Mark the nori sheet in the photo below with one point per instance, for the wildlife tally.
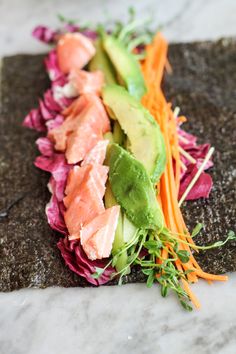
(203, 84)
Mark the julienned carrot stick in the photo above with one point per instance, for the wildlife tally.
(208, 276)
(191, 294)
(172, 195)
(168, 213)
(167, 207)
(176, 151)
(153, 69)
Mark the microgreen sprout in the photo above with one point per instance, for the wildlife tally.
(64, 19)
(196, 230)
(230, 237)
(98, 272)
(164, 271)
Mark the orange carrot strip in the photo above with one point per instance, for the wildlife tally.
(153, 69)
(208, 276)
(193, 298)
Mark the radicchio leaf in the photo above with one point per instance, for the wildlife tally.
(76, 259)
(54, 211)
(90, 34)
(52, 65)
(44, 34)
(58, 167)
(34, 120)
(45, 146)
(54, 123)
(202, 187)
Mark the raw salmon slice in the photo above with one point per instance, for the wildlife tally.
(74, 51)
(59, 134)
(72, 114)
(78, 105)
(83, 101)
(80, 211)
(88, 108)
(75, 177)
(83, 138)
(97, 154)
(93, 175)
(98, 235)
(90, 129)
(87, 82)
(85, 201)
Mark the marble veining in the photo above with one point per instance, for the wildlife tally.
(129, 319)
(180, 20)
(110, 320)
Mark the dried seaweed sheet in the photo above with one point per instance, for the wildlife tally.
(203, 85)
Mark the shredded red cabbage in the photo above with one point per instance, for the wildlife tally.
(54, 212)
(90, 34)
(58, 167)
(52, 67)
(44, 118)
(34, 120)
(45, 146)
(204, 184)
(76, 259)
(202, 187)
(47, 35)
(50, 106)
(44, 34)
(54, 123)
(70, 27)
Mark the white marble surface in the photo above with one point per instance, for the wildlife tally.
(182, 20)
(129, 319)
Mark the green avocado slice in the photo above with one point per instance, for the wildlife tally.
(129, 229)
(126, 65)
(118, 133)
(144, 135)
(133, 189)
(100, 61)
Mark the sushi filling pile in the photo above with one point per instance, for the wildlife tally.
(120, 163)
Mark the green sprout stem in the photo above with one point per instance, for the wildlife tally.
(122, 271)
(143, 39)
(130, 28)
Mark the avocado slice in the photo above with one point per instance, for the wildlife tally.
(118, 133)
(126, 65)
(100, 61)
(129, 229)
(108, 136)
(133, 189)
(119, 236)
(145, 139)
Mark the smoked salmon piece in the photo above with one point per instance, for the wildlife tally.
(74, 51)
(82, 128)
(75, 177)
(94, 175)
(87, 82)
(87, 131)
(84, 200)
(98, 235)
(77, 105)
(97, 154)
(59, 134)
(80, 211)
